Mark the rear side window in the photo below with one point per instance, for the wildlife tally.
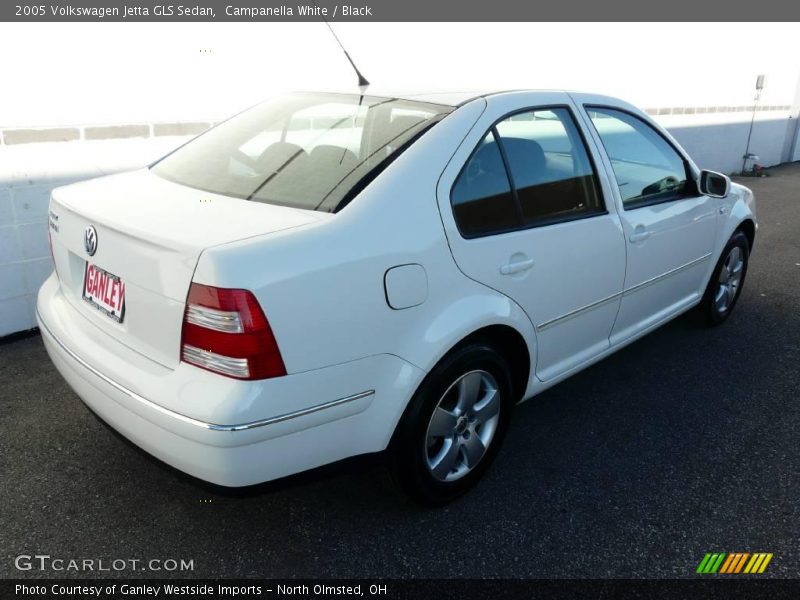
(481, 197)
(306, 151)
(647, 168)
(531, 169)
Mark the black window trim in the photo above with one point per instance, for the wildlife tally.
(546, 221)
(691, 179)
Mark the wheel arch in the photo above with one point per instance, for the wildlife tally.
(507, 340)
(748, 227)
(511, 345)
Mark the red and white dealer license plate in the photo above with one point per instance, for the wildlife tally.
(104, 291)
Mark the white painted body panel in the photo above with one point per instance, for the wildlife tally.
(681, 238)
(354, 357)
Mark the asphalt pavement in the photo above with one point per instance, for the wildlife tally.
(684, 443)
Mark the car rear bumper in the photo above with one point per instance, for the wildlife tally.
(227, 432)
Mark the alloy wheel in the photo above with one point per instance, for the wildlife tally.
(462, 425)
(730, 279)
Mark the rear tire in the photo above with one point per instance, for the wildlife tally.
(726, 282)
(454, 425)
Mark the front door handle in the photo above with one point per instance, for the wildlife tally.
(639, 234)
(517, 266)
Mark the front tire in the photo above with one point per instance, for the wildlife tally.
(453, 426)
(727, 281)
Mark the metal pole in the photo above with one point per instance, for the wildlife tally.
(750, 133)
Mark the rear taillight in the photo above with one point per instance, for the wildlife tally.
(225, 331)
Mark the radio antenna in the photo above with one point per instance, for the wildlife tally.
(362, 81)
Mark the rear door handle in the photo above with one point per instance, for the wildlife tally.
(639, 234)
(516, 267)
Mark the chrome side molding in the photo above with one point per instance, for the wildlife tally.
(630, 290)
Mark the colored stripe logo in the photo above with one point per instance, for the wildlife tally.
(734, 563)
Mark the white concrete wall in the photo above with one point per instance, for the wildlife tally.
(718, 141)
(24, 259)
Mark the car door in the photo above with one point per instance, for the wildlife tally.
(524, 212)
(669, 225)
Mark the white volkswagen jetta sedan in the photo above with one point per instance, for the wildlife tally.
(326, 275)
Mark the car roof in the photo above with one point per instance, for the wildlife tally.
(455, 99)
(446, 98)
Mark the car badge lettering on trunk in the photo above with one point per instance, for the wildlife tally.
(90, 240)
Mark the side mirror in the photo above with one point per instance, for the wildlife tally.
(714, 184)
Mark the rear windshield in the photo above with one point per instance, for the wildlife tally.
(307, 151)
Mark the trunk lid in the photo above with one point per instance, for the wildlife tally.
(150, 233)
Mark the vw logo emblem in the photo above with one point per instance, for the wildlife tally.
(90, 240)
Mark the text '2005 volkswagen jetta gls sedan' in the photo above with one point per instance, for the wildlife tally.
(326, 275)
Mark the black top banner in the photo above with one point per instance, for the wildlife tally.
(404, 10)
